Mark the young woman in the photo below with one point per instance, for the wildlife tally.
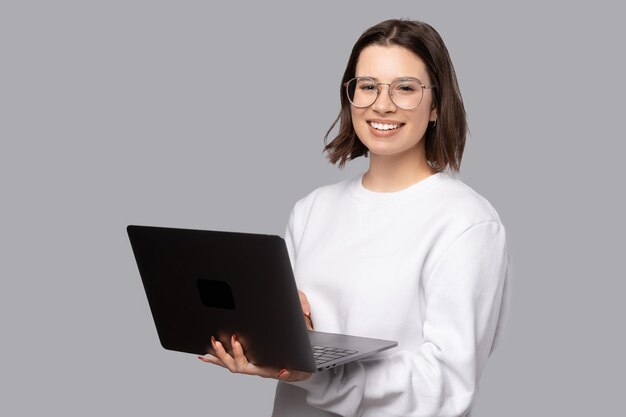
(404, 252)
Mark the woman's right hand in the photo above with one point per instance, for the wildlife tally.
(237, 362)
(306, 310)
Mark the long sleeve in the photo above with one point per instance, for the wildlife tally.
(437, 285)
(463, 299)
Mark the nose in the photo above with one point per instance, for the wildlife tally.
(383, 103)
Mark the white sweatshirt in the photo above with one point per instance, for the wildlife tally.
(425, 266)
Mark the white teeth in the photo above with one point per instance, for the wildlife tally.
(383, 126)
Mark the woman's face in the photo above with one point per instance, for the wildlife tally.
(386, 64)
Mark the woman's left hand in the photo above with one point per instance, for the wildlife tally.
(238, 363)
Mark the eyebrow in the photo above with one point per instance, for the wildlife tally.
(406, 77)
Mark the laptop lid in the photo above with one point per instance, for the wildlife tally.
(210, 283)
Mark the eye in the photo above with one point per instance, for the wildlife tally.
(406, 88)
(367, 86)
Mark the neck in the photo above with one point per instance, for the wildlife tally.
(389, 173)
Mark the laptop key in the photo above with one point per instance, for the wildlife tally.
(323, 354)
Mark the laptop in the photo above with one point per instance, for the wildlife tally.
(211, 283)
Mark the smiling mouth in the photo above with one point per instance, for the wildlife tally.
(384, 127)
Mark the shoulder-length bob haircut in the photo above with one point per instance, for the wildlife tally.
(445, 141)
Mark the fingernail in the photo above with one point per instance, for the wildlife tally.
(307, 313)
(212, 340)
(282, 371)
(234, 337)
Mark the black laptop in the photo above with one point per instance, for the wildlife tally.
(209, 283)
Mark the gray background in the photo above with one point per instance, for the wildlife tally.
(144, 112)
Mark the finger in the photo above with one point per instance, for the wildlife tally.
(306, 307)
(208, 358)
(268, 371)
(222, 355)
(292, 376)
(306, 310)
(309, 322)
(238, 354)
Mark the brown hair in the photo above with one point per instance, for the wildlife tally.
(444, 142)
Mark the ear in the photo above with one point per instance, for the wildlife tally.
(433, 114)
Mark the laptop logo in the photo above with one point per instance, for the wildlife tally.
(216, 294)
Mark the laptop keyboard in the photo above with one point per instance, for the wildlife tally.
(323, 354)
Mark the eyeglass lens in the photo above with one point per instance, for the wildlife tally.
(405, 93)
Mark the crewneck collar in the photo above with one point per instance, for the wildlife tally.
(411, 192)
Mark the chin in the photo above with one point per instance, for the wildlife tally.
(381, 148)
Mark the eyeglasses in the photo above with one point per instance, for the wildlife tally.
(406, 93)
